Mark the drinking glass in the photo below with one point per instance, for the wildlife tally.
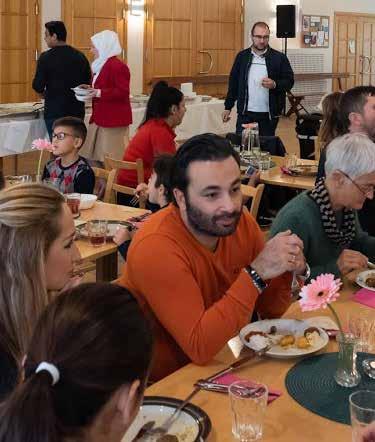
(346, 373)
(73, 200)
(362, 415)
(248, 403)
(53, 182)
(254, 142)
(290, 160)
(264, 161)
(97, 231)
(363, 328)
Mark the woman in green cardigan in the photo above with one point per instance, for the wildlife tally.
(325, 218)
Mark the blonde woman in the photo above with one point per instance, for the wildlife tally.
(37, 256)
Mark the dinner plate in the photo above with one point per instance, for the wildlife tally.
(361, 279)
(191, 425)
(111, 229)
(285, 327)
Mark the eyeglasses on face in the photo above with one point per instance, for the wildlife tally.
(61, 135)
(261, 37)
(365, 190)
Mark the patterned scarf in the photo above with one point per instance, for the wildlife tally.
(346, 234)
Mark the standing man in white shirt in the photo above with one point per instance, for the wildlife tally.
(258, 81)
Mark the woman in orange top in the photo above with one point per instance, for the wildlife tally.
(165, 110)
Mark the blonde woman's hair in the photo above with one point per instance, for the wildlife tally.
(29, 223)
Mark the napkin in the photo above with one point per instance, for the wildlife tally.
(365, 297)
(228, 379)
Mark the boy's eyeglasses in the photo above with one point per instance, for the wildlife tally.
(366, 190)
(61, 135)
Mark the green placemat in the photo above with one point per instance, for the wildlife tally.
(310, 382)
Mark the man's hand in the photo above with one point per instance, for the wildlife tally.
(282, 253)
(268, 83)
(351, 260)
(225, 116)
(142, 190)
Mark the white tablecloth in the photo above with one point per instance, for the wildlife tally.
(16, 134)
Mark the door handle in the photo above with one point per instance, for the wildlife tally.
(36, 54)
(211, 62)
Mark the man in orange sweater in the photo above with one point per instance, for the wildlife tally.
(199, 267)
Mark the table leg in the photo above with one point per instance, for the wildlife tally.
(106, 268)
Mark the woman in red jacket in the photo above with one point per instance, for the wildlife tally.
(165, 110)
(111, 112)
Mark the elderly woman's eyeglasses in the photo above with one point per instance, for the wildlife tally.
(365, 190)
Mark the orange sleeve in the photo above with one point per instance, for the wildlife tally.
(175, 298)
(276, 299)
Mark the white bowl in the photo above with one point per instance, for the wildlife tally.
(87, 201)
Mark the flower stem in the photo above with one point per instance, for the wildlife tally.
(40, 163)
(336, 318)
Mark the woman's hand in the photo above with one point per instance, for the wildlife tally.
(351, 260)
(122, 234)
(142, 190)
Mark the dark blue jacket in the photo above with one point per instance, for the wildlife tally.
(279, 70)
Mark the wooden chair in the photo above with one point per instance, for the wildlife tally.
(256, 194)
(112, 164)
(109, 177)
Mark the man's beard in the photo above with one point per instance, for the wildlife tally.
(206, 224)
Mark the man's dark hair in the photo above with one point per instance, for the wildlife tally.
(259, 23)
(58, 28)
(163, 168)
(354, 100)
(76, 124)
(205, 147)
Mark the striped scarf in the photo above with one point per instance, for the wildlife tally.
(346, 234)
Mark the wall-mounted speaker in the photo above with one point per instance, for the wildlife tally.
(285, 21)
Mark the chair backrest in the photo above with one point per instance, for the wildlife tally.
(109, 177)
(256, 194)
(116, 165)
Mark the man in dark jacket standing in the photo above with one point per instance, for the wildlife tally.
(258, 81)
(60, 69)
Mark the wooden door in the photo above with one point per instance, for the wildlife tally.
(220, 38)
(170, 39)
(354, 48)
(84, 18)
(19, 46)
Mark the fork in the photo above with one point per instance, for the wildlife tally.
(134, 201)
(295, 287)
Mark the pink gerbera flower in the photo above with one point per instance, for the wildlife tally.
(41, 144)
(320, 292)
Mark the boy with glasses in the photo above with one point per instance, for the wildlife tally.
(258, 81)
(69, 171)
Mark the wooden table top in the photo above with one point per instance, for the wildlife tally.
(108, 212)
(276, 177)
(286, 420)
(319, 75)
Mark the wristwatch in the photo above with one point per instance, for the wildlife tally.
(257, 280)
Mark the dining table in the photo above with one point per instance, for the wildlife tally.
(285, 419)
(276, 177)
(105, 256)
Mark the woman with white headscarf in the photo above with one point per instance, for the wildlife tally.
(111, 112)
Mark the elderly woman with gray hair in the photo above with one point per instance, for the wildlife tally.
(325, 218)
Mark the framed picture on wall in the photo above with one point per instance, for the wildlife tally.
(315, 31)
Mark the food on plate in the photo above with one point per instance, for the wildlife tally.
(258, 342)
(311, 330)
(302, 342)
(370, 280)
(168, 438)
(287, 340)
(254, 333)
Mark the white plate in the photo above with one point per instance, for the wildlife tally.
(284, 327)
(361, 279)
(192, 424)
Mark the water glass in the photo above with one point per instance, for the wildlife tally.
(53, 182)
(248, 403)
(73, 200)
(264, 161)
(363, 328)
(290, 160)
(362, 415)
(97, 231)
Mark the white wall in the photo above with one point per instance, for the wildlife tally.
(266, 11)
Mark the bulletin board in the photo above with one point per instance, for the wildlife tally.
(315, 31)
